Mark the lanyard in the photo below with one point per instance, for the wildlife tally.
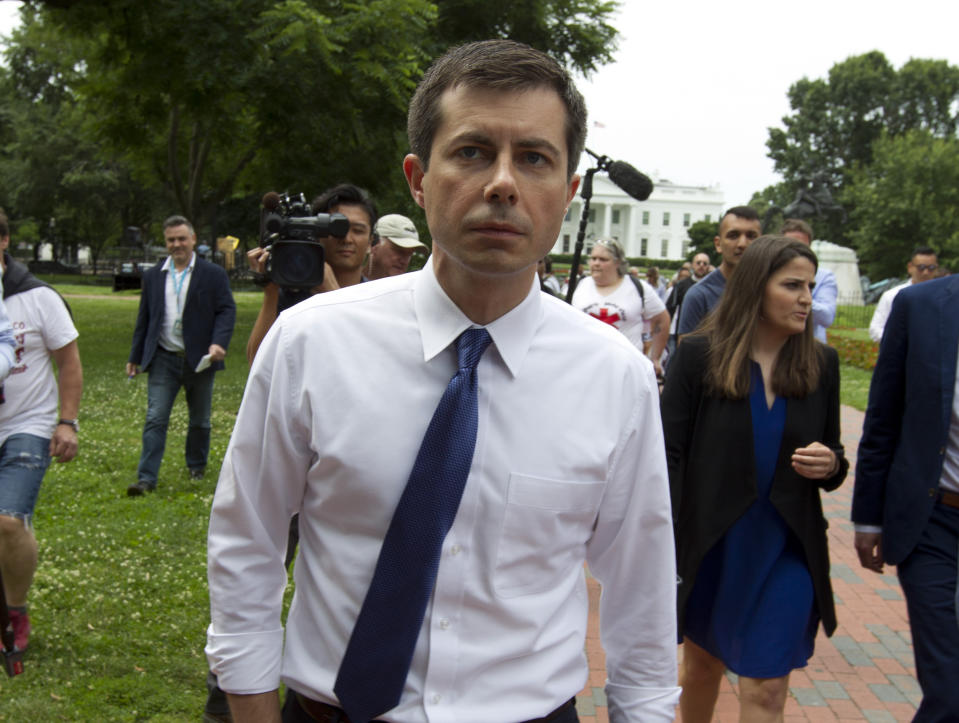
(178, 287)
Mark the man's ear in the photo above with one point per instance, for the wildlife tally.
(414, 170)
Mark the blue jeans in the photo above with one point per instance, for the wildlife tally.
(168, 372)
(24, 459)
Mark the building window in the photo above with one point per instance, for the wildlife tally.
(643, 243)
(685, 247)
(565, 243)
(569, 214)
(615, 215)
(707, 218)
(665, 218)
(686, 219)
(592, 215)
(645, 218)
(665, 248)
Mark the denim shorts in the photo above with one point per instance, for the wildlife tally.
(24, 459)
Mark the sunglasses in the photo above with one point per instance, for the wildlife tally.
(927, 267)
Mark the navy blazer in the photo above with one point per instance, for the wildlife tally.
(907, 421)
(208, 314)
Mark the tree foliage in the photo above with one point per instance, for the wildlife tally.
(907, 197)
(836, 123)
(200, 107)
(702, 235)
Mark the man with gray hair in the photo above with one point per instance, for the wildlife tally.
(182, 333)
(395, 239)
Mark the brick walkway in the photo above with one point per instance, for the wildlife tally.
(864, 672)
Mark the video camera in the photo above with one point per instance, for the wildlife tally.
(291, 232)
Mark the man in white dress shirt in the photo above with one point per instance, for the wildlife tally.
(922, 266)
(496, 130)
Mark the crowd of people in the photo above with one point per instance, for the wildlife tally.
(442, 577)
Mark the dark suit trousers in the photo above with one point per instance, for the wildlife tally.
(928, 578)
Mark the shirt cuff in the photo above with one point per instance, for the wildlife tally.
(246, 663)
(628, 704)
(867, 528)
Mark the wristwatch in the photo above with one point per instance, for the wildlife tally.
(70, 422)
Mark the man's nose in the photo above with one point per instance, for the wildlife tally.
(502, 184)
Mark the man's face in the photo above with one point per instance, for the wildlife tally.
(348, 253)
(799, 236)
(180, 241)
(389, 259)
(496, 190)
(700, 265)
(735, 234)
(922, 267)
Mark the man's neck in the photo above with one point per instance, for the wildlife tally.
(726, 270)
(483, 299)
(184, 265)
(349, 277)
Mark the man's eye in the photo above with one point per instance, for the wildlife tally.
(535, 159)
(469, 152)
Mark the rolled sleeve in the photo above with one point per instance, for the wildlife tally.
(632, 556)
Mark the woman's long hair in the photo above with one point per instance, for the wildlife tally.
(731, 327)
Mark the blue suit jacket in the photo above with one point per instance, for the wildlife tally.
(208, 314)
(907, 421)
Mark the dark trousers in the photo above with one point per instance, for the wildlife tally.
(928, 579)
(294, 713)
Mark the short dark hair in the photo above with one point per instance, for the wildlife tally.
(794, 225)
(495, 64)
(923, 251)
(349, 194)
(178, 221)
(747, 212)
(4, 224)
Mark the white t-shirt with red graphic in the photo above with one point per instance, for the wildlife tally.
(41, 324)
(622, 308)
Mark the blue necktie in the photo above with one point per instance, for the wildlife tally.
(378, 656)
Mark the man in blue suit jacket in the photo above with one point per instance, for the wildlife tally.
(183, 330)
(906, 499)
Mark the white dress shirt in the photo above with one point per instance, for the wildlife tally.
(569, 467)
(824, 295)
(881, 314)
(175, 288)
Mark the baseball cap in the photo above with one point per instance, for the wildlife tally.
(400, 230)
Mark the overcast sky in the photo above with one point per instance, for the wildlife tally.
(697, 83)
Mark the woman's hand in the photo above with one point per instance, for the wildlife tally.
(816, 461)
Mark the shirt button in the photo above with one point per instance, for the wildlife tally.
(456, 550)
(435, 698)
(444, 624)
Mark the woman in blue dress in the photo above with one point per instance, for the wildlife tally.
(751, 420)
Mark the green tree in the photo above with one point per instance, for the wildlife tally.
(835, 123)
(702, 235)
(907, 197)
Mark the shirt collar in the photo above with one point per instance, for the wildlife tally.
(168, 264)
(440, 321)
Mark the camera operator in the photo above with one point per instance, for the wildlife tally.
(344, 257)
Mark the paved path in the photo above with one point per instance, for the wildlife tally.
(864, 672)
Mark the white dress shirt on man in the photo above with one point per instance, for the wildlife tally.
(338, 400)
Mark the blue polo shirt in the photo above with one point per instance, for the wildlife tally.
(699, 301)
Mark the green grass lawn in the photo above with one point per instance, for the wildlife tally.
(119, 604)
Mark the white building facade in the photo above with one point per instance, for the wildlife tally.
(655, 228)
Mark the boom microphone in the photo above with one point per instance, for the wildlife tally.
(636, 184)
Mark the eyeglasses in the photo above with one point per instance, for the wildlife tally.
(927, 267)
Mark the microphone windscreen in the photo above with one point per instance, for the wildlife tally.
(636, 184)
(271, 201)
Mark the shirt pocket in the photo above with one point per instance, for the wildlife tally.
(546, 524)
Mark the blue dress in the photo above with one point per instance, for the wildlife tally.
(752, 603)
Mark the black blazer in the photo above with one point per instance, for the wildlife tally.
(906, 429)
(208, 314)
(712, 473)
